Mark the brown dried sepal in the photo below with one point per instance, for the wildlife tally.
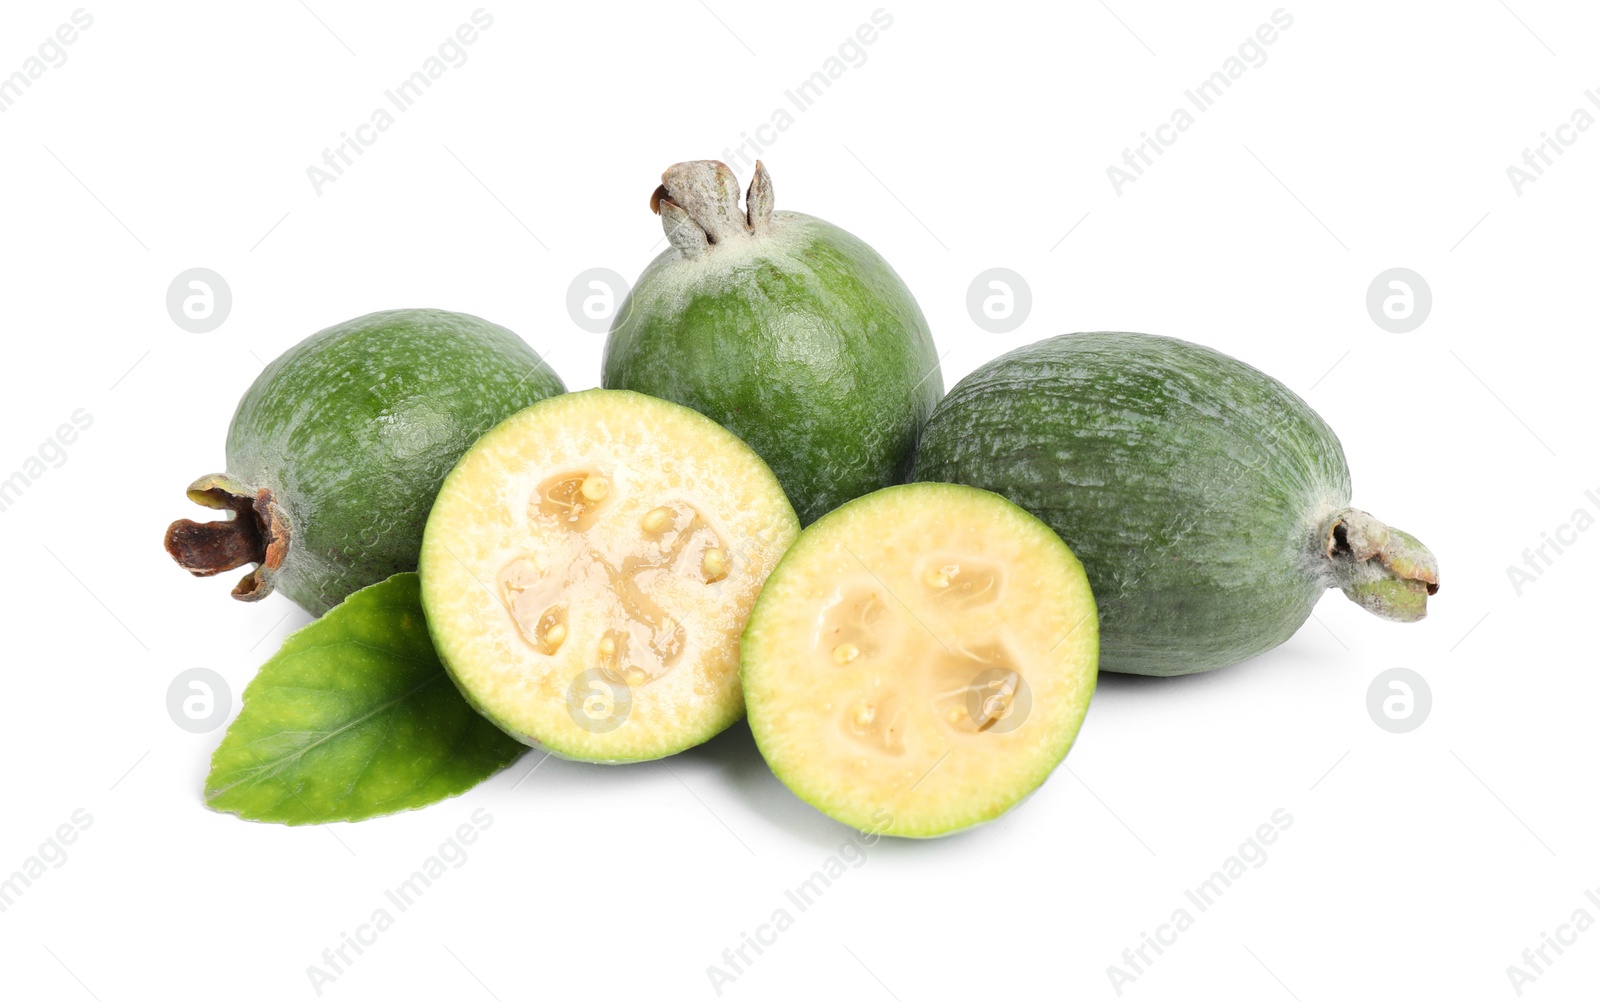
(256, 532)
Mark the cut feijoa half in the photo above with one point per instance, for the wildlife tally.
(588, 567)
(921, 659)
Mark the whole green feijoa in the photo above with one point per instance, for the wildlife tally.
(1208, 503)
(788, 331)
(337, 449)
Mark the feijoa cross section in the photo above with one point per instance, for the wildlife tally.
(921, 659)
(589, 566)
(354, 717)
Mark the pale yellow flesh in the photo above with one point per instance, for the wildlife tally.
(588, 568)
(921, 660)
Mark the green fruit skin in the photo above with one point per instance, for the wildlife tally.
(808, 346)
(1192, 487)
(354, 429)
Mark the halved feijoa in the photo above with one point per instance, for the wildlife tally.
(921, 659)
(588, 567)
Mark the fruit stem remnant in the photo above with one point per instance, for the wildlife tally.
(1385, 571)
(256, 532)
(698, 202)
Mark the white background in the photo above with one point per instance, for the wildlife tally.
(1376, 135)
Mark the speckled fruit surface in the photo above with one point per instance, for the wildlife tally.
(337, 449)
(1208, 502)
(785, 329)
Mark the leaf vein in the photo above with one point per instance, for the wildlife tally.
(271, 768)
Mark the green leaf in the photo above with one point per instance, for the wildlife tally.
(354, 717)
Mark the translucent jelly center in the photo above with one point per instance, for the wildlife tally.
(921, 644)
(610, 574)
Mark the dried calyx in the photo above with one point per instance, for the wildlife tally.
(257, 532)
(698, 202)
(1383, 570)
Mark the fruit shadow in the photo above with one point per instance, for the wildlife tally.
(734, 754)
(1110, 682)
(1291, 656)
